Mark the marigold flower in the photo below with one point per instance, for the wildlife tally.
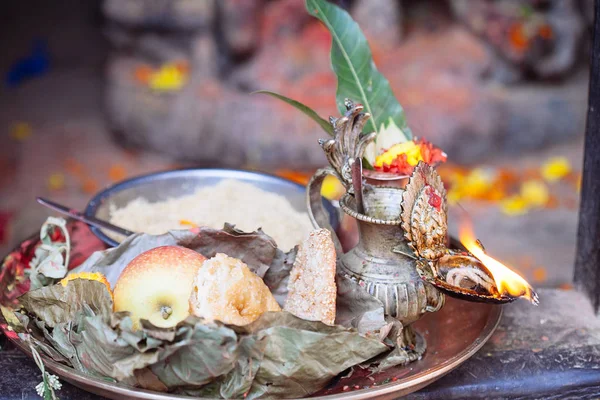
(188, 223)
(56, 181)
(20, 131)
(514, 205)
(92, 276)
(332, 188)
(410, 149)
(168, 78)
(555, 169)
(403, 157)
(535, 193)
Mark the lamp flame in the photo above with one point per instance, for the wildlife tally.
(507, 281)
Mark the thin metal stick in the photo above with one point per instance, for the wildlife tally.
(93, 221)
(357, 184)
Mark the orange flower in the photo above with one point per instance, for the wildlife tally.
(401, 158)
(143, 74)
(545, 31)
(89, 186)
(188, 223)
(91, 276)
(518, 38)
(117, 172)
(20, 131)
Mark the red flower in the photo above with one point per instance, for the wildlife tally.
(428, 153)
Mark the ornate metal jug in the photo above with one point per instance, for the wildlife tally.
(388, 275)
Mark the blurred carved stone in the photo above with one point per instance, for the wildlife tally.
(161, 14)
(206, 122)
(283, 18)
(240, 24)
(459, 83)
(152, 46)
(161, 48)
(539, 38)
(380, 20)
(204, 56)
(567, 24)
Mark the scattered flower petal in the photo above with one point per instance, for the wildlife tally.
(117, 173)
(540, 274)
(535, 193)
(566, 286)
(332, 188)
(295, 176)
(20, 131)
(555, 169)
(143, 74)
(74, 167)
(188, 223)
(169, 77)
(514, 205)
(89, 186)
(56, 181)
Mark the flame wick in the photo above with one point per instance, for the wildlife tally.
(507, 281)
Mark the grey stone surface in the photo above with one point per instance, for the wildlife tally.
(170, 14)
(381, 19)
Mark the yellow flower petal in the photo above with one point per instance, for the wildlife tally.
(412, 151)
(454, 196)
(92, 276)
(168, 78)
(332, 188)
(555, 169)
(535, 193)
(20, 131)
(188, 223)
(514, 205)
(56, 181)
(478, 182)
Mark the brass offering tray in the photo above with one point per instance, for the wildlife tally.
(471, 325)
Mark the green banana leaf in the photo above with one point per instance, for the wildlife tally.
(312, 114)
(358, 77)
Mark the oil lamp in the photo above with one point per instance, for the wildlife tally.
(402, 258)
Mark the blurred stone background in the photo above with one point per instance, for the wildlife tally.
(117, 88)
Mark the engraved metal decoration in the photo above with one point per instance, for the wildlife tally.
(348, 142)
(390, 277)
(424, 213)
(424, 221)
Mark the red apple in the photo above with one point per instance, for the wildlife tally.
(156, 285)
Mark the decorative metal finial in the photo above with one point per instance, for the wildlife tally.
(348, 142)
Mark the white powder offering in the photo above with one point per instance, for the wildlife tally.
(238, 203)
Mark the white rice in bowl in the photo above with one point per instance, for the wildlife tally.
(238, 203)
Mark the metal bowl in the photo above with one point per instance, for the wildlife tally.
(164, 185)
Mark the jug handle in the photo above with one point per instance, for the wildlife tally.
(314, 202)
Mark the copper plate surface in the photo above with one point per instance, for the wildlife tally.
(453, 335)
